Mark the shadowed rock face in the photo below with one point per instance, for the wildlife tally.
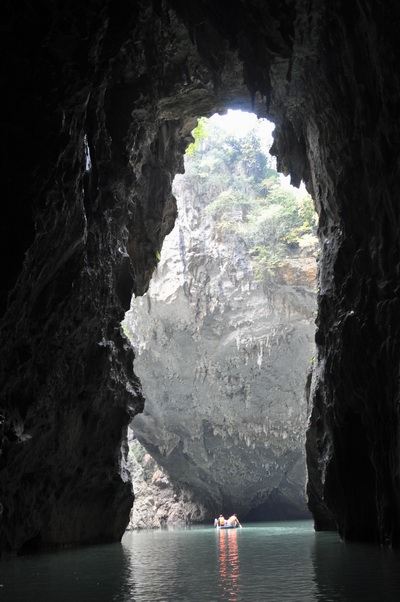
(101, 97)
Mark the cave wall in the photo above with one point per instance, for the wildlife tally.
(353, 442)
(100, 98)
(101, 101)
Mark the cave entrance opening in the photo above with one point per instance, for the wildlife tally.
(224, 338)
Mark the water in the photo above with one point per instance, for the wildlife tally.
(265, 562)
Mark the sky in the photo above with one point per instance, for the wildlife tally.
(241, 123)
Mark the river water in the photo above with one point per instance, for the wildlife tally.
(263, 562)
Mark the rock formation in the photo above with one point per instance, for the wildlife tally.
(223, 361)
(157, 502)
(100, 98)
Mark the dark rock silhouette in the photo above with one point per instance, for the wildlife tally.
(99, 100)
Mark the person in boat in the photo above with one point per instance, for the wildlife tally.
(221, 521)
(234, 521)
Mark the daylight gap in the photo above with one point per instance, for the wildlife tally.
(224, 338)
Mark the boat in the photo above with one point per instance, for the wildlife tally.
(231, 523)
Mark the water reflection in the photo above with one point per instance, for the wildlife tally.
(275, 562)
(354, 571)
(92, 573)
(229, 565)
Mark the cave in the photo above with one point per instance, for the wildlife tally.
(99, 101)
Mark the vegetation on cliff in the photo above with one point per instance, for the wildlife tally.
(231, 170)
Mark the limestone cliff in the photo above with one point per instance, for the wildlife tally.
(223, 360)
(157, 503)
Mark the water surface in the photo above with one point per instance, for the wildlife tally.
(264, 562)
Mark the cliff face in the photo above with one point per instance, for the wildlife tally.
(100, 99)
(157, 502)
(223, 361)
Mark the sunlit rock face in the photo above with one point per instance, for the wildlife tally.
(158, 503)
(223, 360)
(100, 99)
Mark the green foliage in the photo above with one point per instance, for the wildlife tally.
(199, 133)
(229, 206)
(245, 197)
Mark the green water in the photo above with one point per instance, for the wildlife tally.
(265, 562)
